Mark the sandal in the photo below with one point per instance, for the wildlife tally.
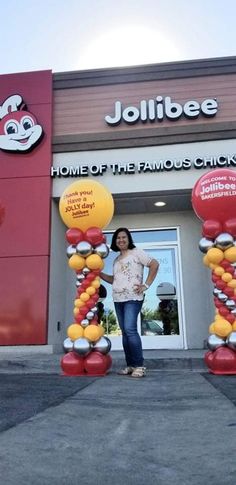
(126, 371)
(139, 372)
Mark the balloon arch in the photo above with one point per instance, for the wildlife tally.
(214, 202)
(86, 207)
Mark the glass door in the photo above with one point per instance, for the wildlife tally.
(160, 323)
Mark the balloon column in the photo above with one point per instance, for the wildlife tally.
(86, 207)
(214, 202)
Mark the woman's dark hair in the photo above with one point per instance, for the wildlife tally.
(131, 244)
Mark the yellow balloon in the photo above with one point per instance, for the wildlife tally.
(230, 254)
(234, 326)
(222, 328)
(75, 331)
(92, 332)
(90, 290)
(86, 203)
(227, 277)
(212, 328)
(95, 284)
(232, 283)
(94, 261)
(219, 270)
(76, 311)
(205, 260)
(79, 303)
(76, 262)
(215, 255)
(84, 296)
(212, 265)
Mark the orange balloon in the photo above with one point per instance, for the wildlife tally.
(78, 303)
(84, 296)
(76, 262)
(227, 277)
(75, 331)
(92, 333)
(222, 328)
(95, 284)
(212, 328)
(94, 261)
(234, 326)
(230, 254)
(90, 290)
(219, 271)
(215, 255)
(232, 283)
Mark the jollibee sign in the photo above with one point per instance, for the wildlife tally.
(19, 129)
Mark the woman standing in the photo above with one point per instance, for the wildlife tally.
(128, 295)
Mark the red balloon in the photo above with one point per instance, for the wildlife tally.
(109, 361)
(224, 311)
(214, 195)
(230, 227)
(217, 303)
(208, 358)
(211, 229)
(220, 285)
(224, 263)
(72, 364)
(230, 318)
(94, 236)
(229, 291)
(84, 310)
(74, 235)
(223, 361)
(95, 364)
(215, 278)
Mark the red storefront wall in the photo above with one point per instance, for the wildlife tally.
(25, 194)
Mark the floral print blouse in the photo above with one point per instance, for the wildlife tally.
(127, 273)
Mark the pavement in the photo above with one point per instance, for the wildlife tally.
(176, 426)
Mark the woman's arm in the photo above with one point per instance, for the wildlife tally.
(106, 277)
(153, 269)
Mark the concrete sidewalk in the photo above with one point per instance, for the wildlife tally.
(170, 428)
(27, 361)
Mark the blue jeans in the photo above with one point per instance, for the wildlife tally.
(127, 315)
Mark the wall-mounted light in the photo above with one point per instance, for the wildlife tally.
(160, 204)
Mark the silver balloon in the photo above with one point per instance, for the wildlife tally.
(101, 345)
(222, 297)
(84, 249)
(213, 342)
(90, 315)
(224, 241)
(94, 309)
(78, 284)
(102, 250)
(80, 277)
(82, 346)
(231, 305)
(71, 250)
(216, 291)
(109, 342)
(86, 271)
(68, 345)
(84, 323)
(231, 341)
(233, 312)
(205, 244)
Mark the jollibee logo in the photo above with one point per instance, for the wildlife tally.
(19, 129)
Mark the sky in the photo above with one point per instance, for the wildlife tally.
(74, 35)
